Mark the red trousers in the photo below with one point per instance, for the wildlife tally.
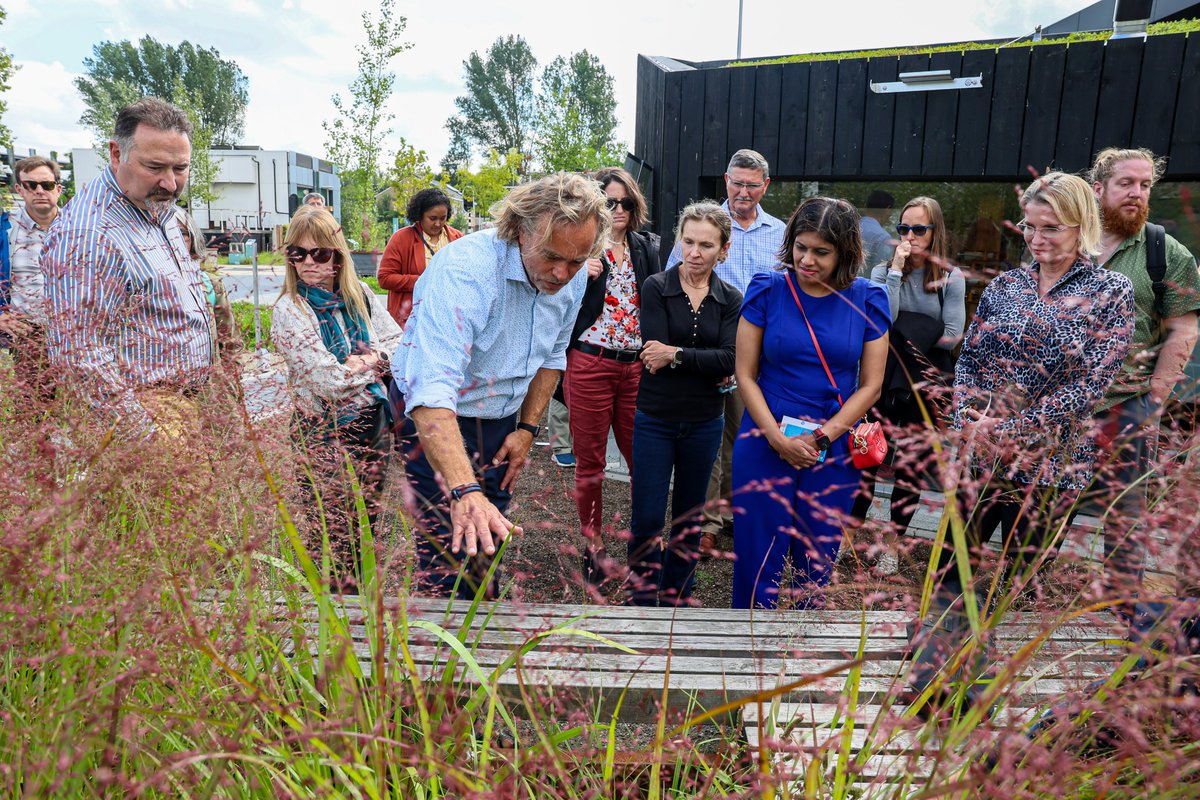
(601, 394)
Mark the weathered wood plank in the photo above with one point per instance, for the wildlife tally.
(908, 126)
(822, 104)
(793, 121)
(974, 115)
(1157, 94)
(716, 121)
(941, 111)
(1118, 93)
(879, 111)
(767, 86)
(849, 119)
(1077, 112)
(1047, 65)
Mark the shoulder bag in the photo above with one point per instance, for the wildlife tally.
(868, 445)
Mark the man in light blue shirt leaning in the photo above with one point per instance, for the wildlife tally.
(477, 365)
(757, 237)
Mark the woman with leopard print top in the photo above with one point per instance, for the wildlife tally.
(1046, 341)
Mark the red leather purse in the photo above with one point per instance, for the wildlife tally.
(868, 445)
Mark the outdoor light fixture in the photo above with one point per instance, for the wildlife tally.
(934, 80)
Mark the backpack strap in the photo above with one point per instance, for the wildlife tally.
(1156, 266)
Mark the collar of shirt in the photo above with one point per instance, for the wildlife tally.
(761, 218)
(1080, 265)
(27, 222)
(1132, 241)
(514, 267)
(129, 209)
(716, 286)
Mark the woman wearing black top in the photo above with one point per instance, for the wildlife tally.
(689, 320)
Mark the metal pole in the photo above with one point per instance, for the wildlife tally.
(739, 49)
(257, 310)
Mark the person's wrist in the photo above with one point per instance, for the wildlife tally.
(465, 490)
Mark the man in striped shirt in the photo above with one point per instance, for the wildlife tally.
(129, 323)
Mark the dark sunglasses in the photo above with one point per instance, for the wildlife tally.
(47, 186)
(321, 255)
(624, 203)
(919, 230)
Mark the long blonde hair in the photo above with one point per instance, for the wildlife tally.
(320, 227)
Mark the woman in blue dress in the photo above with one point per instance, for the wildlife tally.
(792, 493)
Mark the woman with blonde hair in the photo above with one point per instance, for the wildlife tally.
(1046, 341)
(337, 341)
(688, 326)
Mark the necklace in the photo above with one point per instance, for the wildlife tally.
(689, 283)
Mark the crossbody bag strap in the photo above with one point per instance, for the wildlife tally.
(813, 334)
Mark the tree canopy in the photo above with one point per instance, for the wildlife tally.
(355, 136)
(117, 73)
(497, 112)
(577, 115)
(565, 121)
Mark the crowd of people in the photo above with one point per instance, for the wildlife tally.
(732, 369)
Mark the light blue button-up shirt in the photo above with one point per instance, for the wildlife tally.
(479, 331)
(751, 251)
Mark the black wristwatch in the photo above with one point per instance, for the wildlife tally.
(822, 440)
(458, 492)
(533, 429)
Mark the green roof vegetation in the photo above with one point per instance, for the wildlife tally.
(1157, 29)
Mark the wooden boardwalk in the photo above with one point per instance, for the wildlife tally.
(799, 682)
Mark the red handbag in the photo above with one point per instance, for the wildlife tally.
(868, 445)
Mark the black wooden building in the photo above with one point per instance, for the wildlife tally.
(1049, 105)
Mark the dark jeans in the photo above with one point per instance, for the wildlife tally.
(1028, 517)
(438, 567)
(660, 448)
(1125, 466)
(367, 441)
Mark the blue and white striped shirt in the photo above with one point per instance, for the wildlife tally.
(127, 305)
(751, 251)
(479, 331)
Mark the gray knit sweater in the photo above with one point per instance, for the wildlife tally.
(910, 295)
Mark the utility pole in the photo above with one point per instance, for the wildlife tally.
(739, 43)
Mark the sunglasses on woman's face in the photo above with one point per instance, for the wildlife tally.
(624, 203)
(320, 255)
(919, 230)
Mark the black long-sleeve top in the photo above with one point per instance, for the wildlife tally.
(688, 392)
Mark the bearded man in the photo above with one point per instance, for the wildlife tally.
(1163, 339)
(129, 325)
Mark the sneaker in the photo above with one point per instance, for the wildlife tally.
(565, 460)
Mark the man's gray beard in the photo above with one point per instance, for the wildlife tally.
(159, 208)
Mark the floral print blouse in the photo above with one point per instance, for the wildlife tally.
(617, 326)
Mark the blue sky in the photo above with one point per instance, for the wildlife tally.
(297, 53)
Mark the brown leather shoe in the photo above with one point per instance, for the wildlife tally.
(708, 545)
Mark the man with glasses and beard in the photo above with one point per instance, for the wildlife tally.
(129, 325)
(1163, 339)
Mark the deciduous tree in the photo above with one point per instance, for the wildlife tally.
(497, 112)
(117, 73)
(356, 135)
(499, 172)
(6, 70)
(410, 173)
(577, 115)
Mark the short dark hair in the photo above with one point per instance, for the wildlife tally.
(152, 112)
(640, 213)
(881, 199)
(835, 221)
(31, 163)
(424, 200)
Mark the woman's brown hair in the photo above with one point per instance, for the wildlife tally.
(835, 221)
(637, 217)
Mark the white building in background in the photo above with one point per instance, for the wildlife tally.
(255, 189)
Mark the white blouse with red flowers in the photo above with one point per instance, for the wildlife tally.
(617, 326)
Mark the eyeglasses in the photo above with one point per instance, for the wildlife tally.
(320, 255)
(47, 186)
(744, 185)
(1047, 232)
(624, 203)
(918, 230)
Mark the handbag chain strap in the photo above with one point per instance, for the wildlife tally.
(816, 343)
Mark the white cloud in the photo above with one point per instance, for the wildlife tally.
(44, 108)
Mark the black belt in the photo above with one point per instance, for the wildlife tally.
(622, 356)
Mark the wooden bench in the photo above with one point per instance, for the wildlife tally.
(783, 675)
